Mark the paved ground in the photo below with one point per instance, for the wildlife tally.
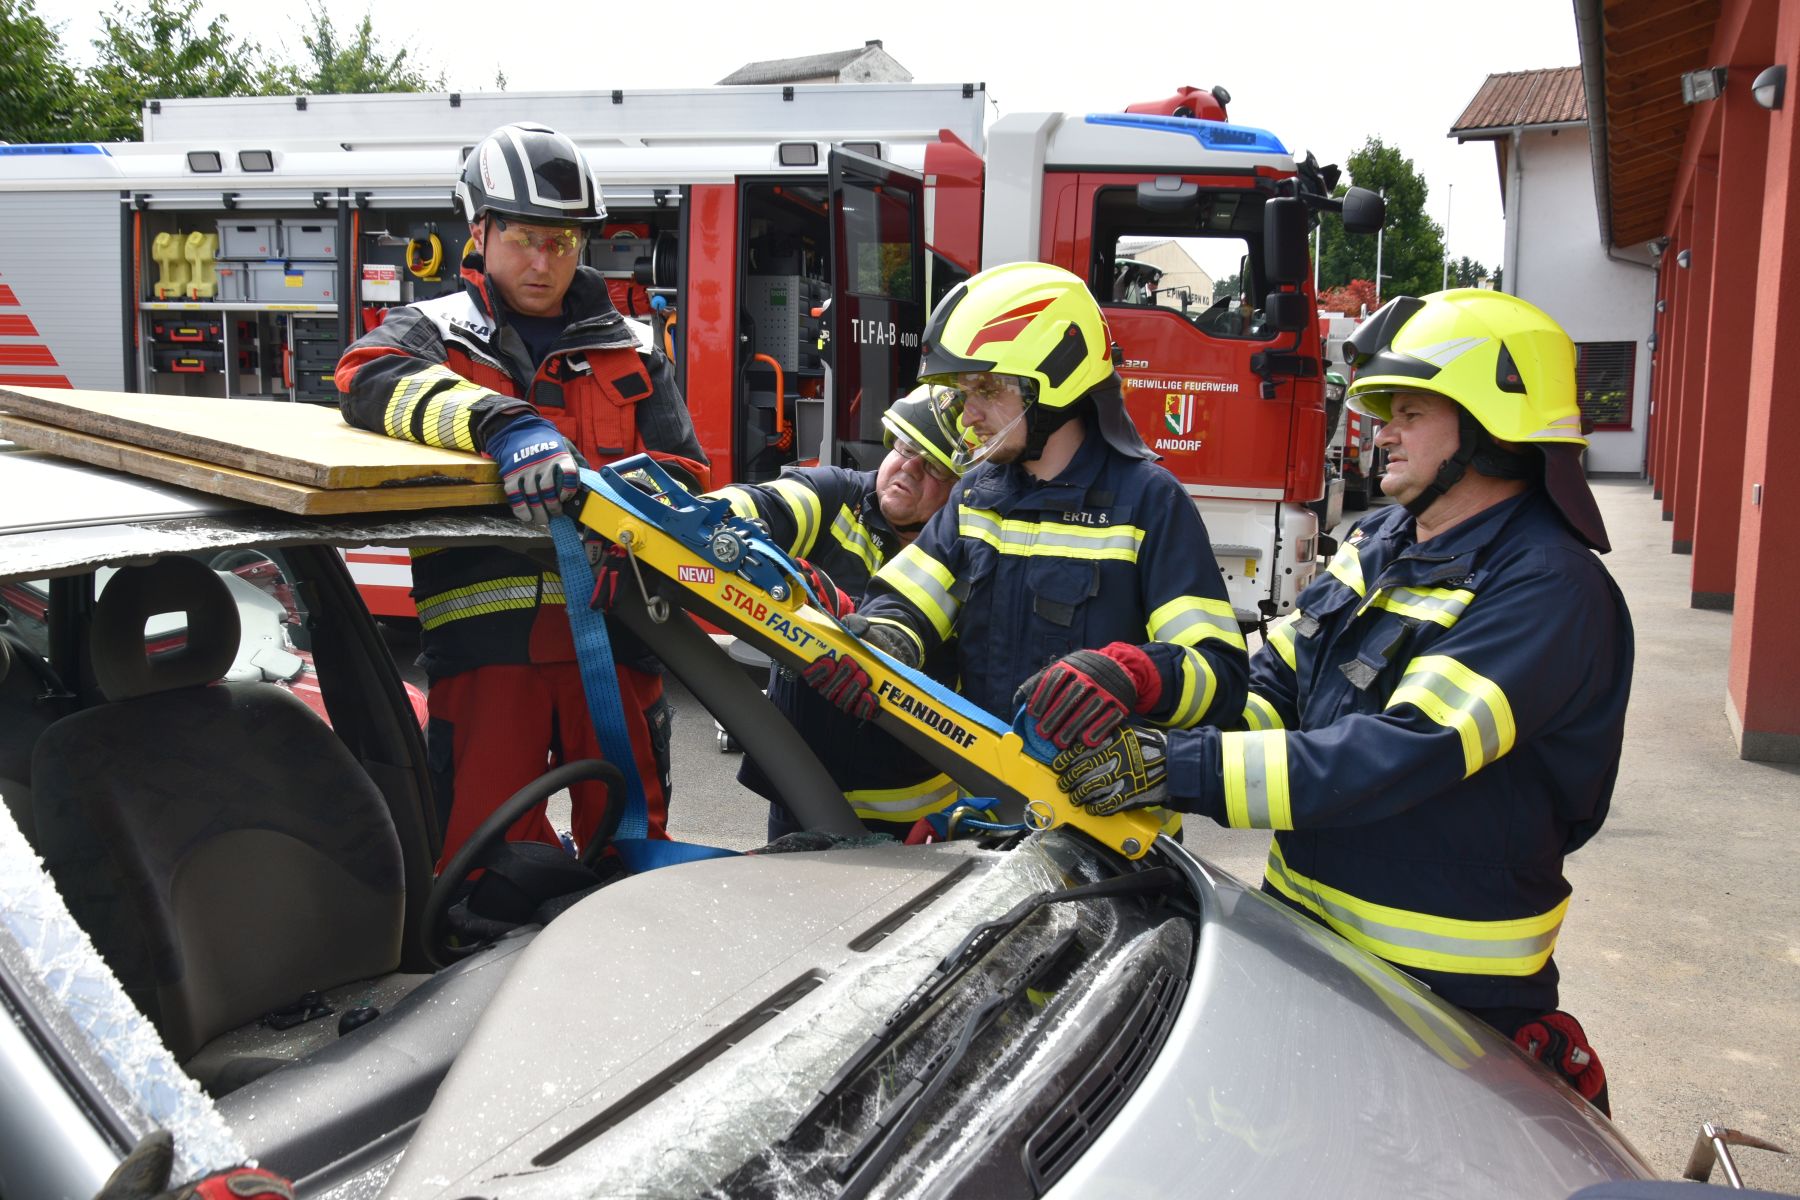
(1681, 953)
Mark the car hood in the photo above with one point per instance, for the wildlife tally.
(630, 1053)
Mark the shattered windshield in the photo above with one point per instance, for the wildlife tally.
(992, 1085)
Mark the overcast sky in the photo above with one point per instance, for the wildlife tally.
(1322, 76)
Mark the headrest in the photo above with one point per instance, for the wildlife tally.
(122, 664)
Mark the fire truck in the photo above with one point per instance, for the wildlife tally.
(784, 244)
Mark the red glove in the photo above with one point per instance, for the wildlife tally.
(610, 565)
(1556, 1039)
(832, 598)
(844, 682)
(144, 1175)
(1082, 698)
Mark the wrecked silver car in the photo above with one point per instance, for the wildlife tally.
(218, 917)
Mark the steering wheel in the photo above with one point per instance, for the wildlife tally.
(434, 924)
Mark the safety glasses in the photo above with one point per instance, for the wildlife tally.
(910, 453)
(558, 241)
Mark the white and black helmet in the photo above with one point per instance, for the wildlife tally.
(532, 173)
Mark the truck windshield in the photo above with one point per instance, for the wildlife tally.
(1202, 262)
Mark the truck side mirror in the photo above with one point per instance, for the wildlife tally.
(1167, 194)
(1288, 312)
(1284, 240)
(1364, 211)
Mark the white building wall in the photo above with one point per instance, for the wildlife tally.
(1560, 266)
(1179, 271)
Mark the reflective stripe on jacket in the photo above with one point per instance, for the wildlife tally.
(831, 517)
(448, 372)
(1021, 572)
(1430, 733)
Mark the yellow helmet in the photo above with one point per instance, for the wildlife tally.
(1040, 325)
(1028, 319)
(1503, 359)
(1507, 365)
(914, 417)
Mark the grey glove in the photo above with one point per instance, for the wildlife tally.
(1128, 770)
(887, 638)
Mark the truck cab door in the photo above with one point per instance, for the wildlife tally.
(877, 301)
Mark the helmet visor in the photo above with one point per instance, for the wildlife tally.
(558, 241)
(950, 406)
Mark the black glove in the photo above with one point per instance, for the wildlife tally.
(144, 1175)
(1129, 770)
(1081, 698)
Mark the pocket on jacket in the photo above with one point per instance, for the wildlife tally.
(1059, 592)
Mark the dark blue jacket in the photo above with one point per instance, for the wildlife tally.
(1431, 731)
(1021, 571)
(830, 516)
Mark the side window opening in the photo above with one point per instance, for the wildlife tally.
(1203, 262)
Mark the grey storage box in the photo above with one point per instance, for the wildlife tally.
(234, 282)
(240, 238)
(308, 239)
(293, 283)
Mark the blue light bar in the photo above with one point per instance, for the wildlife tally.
(1214, 135)
(57, 148)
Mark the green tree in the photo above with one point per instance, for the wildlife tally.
(357, 63)
(161, 51)
(41, 99)
(1412, 244)
(1466, 272)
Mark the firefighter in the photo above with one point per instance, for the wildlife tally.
(1064, 545)
(530, 364)
(844, 525)
(1439, 722)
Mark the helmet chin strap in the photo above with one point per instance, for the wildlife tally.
(1475, 448)
(1043, 422)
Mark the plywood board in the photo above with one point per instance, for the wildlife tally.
(240, 485)
(299, 443)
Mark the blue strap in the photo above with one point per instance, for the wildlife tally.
(981, 806)
(647, 854)
(599, 678)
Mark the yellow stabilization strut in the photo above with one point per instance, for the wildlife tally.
(727, 573)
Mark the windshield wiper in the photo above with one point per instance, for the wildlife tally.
(954, 965)
(863, 1166)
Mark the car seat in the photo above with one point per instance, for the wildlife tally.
(221, 846)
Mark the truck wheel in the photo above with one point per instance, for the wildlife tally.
(1356, 498)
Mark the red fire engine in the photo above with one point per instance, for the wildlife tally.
(786, 244)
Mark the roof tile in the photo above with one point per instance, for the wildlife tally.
(1550, 96)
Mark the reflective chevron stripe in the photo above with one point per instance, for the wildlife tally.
(1260, 714)
(925, 582)
(1457, 698)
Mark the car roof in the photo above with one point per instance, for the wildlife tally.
(59, 517)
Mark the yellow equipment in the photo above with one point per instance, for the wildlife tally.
(425, 266)
(200, 250)
(170, 252)
(723, 569)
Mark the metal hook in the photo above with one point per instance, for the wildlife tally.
(656, 606)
